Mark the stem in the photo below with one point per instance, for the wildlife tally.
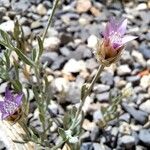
(50, 19)
(100, 69)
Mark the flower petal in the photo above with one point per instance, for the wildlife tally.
(18, 99)
(8, 95)
(1, 105)
(4, 116)
(128, 38)
(107, 31)
(113, 24)
(122, 26)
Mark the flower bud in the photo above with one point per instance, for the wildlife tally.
(109, 49)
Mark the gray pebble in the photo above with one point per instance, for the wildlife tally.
(144, 136)
(138, 115)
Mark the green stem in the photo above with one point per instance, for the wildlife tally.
(50, 19)
(100, 69)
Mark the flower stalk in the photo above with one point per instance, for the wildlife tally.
(100, 69)
(50, 19)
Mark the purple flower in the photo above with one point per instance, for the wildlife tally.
(114, 40)
(10, 104)
(114, 33)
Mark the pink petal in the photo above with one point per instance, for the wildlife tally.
(128, 38)
(107, 30)
(122, 26)
(18, 99)
(4, 116)
(113, 24)
(8, 95)
(1, 104)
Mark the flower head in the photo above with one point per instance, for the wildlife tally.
(113, 42)
(10, 104)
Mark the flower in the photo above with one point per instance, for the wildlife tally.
(10, 104)
(114, 40)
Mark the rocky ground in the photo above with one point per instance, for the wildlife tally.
(71, 63)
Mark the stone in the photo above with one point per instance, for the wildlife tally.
(134, 79)
(53, 108)
(48, 57)
(126, 57)
(67, 17)
(65, 51)
(20, 6)
(141, 6)
(88, 125)
(106, 77)
(123, 70)
(98, 146)
(7, 26)
(84, 19)
(83, 6)
(95, 12)
(97, 115)
(58, 63)
(92, 42)
(5, 3)
(139, 58)
(103, 97)
(145, 81)
(86, 146)
(91, 64)
(35, 25)
(73, 94)
(41, 10)
(3, 87)
(145, 106)
(125, 117)
(144, 136)
(51, 43)
(148, 64)
(2, 11)
(144, 49)
(73, 66)
(138, 115)
(139, 147)
(125, 128)
(60, 84)
(65, 38)
(119, 82)
(100, 88)
(26, 31)
(127, 141)
(81, 52)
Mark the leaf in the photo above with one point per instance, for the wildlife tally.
(8, 44)
(16, 30)
(42, 118)
(62, 133)
(83, 90)
(6, 38)
(23, 57)
(7, 57)
(3, 73)
(34, 55)
(40, 43)
(69, 116)
(17, 85)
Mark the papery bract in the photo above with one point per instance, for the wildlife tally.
(10, 104)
